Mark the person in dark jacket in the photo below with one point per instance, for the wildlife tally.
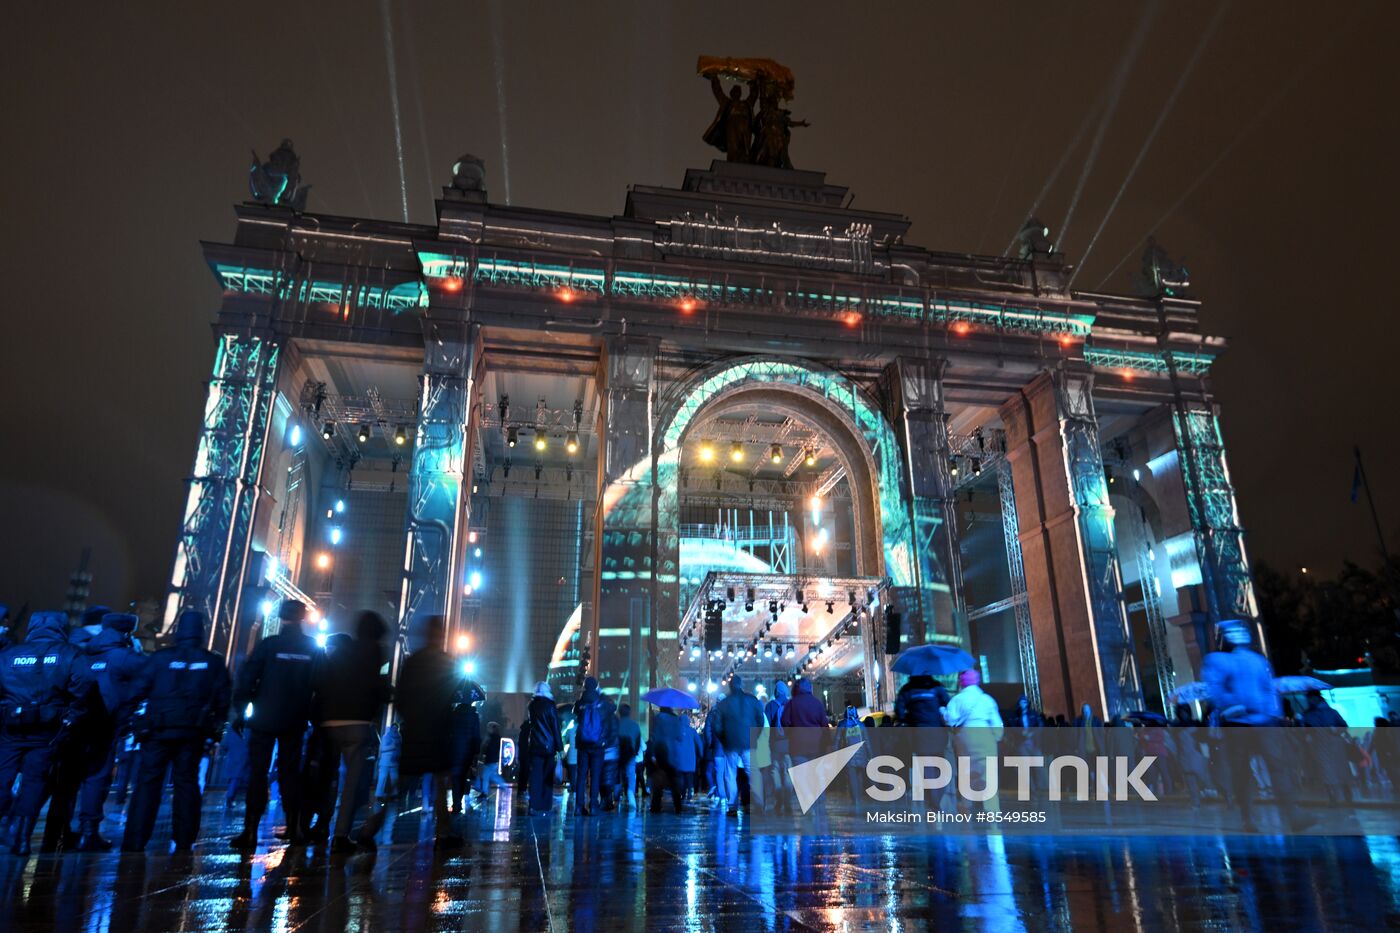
(736, 716)
(803, 716)
(187, 694)
(775, 775)
(44, 692)
(350, 696)
(466, 741)
(114, 665)
(428, 687)
(1329, 750)
(670, 757)
(276, 684)
(321, 761)
(920, 702)
(542, 744)
(595, 728)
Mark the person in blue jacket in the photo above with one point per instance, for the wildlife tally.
(187, 701)
(114, 665)
(670, 757)
(44, 691)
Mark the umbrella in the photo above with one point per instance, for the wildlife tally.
(671, 697)
(1189, 692)
(932, 659)
(1299, 684)
(1149, 717)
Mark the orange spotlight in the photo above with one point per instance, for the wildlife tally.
(323, 561)
(1128, 375)
(464, 641)
(566, 295)
(688, 305)
(451, 284)
(961, 328)
(1066, 340)
(851, 318)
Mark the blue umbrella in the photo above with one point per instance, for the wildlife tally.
(932, 659)
(671, 697)
(1299, 684)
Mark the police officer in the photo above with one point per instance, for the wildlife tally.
(187, 700)
(43, 693)
(115, 665)
(275, 683)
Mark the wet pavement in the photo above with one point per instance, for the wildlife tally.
(702, 871)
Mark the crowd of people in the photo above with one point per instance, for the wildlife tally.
(83, 706)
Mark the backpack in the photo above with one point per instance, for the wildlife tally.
(590, 724)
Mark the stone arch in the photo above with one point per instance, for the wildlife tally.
(858, 430)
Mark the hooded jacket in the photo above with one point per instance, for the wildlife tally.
(773, 710)
(186, 686)
(277, 679)
(43, 680)
(802, 717)
(542, 726)
(115, 665)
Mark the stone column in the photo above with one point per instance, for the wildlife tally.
(624, 640)
(212, 554)
(1082, 646)
(933, 608)
(437, 505)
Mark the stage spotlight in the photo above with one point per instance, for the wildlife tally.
(505, 468)
(336, 534)
(469, 667)
(736, 452)
(400, 435)
(976, 467)
(729, 594)
(810, 457)
(512, 437)
(768, 651)
(694, 652)
(791, 653)
(851, 598)
(323, 561)
(707, 452)
(340, 505)
(328, 430)
(830, 607)
(804, 607)
(294, 436)
(364, 433)
(952, 466)
(541, 442)
(775, 453)
(571, 442)
(464, 641)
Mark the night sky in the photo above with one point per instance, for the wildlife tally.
(128, 134)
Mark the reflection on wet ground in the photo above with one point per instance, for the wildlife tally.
(701, 871)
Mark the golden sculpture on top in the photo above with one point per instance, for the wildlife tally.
(741, 134)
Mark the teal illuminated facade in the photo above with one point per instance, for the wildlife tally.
(445, 365)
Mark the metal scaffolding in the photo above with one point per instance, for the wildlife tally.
(1020, 604)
